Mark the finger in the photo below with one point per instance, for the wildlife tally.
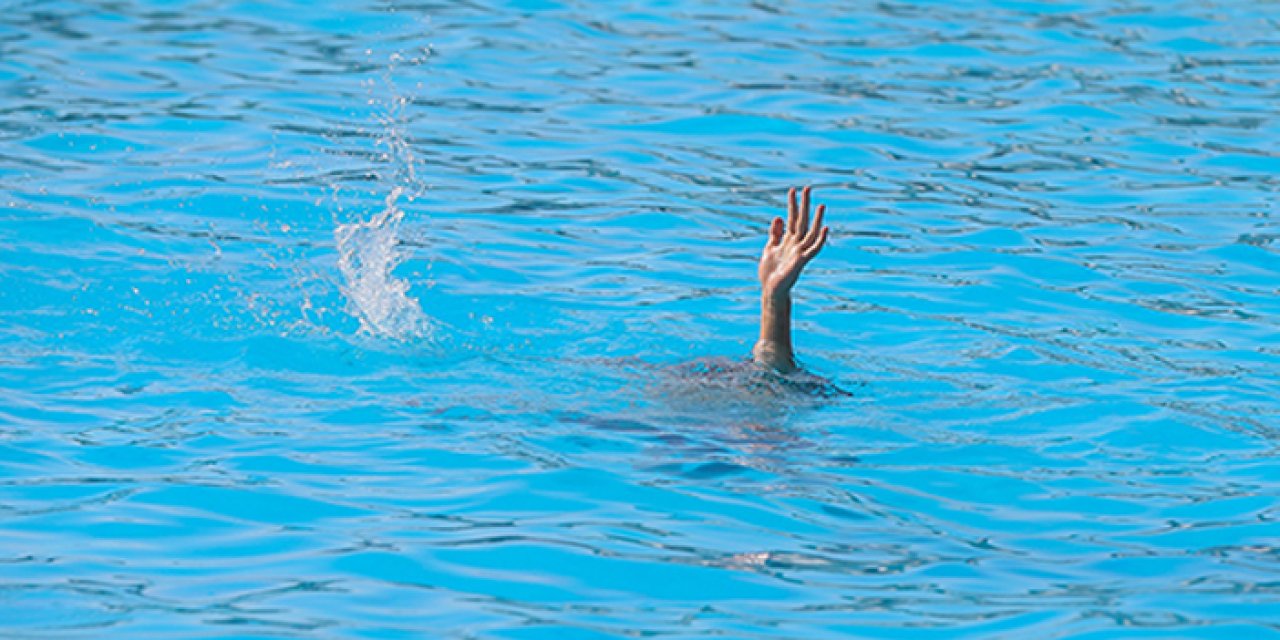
(812, 236)
(803, 227)
(775, 233)
(792, 211)
(809, 253)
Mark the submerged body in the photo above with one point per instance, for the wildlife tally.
(758, 380)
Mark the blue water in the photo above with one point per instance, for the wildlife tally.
(374, 320)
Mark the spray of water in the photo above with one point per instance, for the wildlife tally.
(368, 253)
(369, 250)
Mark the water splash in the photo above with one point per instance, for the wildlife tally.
(368, 253)
(369, 250)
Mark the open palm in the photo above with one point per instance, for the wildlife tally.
(791, 245)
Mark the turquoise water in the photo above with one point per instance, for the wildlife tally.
(345, 320)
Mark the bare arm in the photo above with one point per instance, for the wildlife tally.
(790, 247)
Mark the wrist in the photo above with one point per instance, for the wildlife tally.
(776, 297)
(774, 355)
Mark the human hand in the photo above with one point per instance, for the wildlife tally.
(791, 245)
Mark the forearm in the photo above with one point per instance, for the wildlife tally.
(773, 349)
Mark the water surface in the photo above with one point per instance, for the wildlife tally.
(368, 320)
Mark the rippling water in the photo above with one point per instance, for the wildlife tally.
(368, 320)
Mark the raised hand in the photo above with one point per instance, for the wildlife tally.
(791, 245)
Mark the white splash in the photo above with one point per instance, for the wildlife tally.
(368, 253)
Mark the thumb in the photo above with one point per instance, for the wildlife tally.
(775, 233)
